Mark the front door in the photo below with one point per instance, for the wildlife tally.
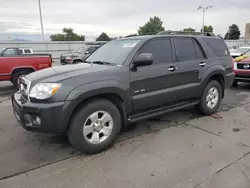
(151, 85)
(192, 64)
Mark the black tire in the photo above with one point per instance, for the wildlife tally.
(76, 134)
(76, 62)
(203, 103)
(16, 75)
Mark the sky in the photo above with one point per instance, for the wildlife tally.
(19, 18)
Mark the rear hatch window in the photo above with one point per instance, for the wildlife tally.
(218, 46)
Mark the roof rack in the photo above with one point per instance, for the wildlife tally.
(169, 32)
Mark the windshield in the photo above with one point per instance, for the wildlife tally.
(114, 52)
(81, 50)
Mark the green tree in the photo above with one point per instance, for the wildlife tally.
(209, 29)
(233, 33)
(189, 29)
(67, 34)
(153, 26)
(103, 37)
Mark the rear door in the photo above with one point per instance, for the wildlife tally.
(151, 86)
(192, 64)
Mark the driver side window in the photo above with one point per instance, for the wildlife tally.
(9, 52)
(161, 50)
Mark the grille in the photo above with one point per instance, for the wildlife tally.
(244, 66)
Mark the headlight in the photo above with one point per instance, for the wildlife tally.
(44, 90)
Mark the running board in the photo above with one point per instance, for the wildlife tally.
(160, 111)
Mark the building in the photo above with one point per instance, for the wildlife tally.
(247, 31)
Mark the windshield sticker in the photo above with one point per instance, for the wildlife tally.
(129, 45)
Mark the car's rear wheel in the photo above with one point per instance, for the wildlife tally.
(76, 62)
(95, 126)
(211, 98)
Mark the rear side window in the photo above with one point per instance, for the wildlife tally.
(218, 46)
(160, 49)
(27, 51)
(185, 49)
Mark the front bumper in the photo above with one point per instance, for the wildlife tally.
(242, 75)
(42, 117)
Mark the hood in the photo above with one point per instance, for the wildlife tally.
(59, 73)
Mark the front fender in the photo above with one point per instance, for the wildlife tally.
(92, 89)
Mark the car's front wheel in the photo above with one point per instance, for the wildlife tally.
(95, 126)
(211, 98)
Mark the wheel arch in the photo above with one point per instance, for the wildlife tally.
(217, 74)
(115, 98)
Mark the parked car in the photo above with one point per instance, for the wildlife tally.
(15, 51)
(13, 65)
(79, 55)
(124, 81)
(242, 67)
(239, 51)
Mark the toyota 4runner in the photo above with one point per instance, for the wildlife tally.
(124, 81)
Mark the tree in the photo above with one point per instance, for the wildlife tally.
(209, 29)
(67, 35)
(153, 26)
(189, 29)
(233, 33)
(103, 37)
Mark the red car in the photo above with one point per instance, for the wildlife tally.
(12, 66)
(242, 68)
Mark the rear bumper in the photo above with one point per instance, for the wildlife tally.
(229, 79)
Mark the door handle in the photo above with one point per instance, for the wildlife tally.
(202, 64)
(172, 68)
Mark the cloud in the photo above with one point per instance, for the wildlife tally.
(119, 17)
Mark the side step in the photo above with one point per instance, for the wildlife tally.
(160, 111)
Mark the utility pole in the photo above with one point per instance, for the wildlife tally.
(203, 16)
(41, 19)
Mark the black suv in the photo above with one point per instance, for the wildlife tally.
(124, 81)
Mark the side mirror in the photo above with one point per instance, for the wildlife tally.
(143, 59)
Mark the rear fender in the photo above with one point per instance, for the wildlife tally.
(209, 73)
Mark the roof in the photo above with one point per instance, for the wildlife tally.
(142, 37)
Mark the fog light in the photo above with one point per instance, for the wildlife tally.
(38, 120)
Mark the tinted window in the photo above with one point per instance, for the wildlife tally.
(160, 49)
(185, 49)
(91, 50)
(218, 46)
(27, 51)
(198, 51)
(20, 51)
